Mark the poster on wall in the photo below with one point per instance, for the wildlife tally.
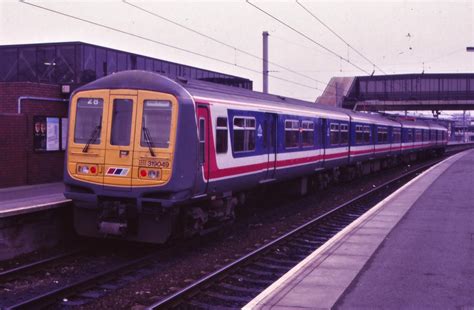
(64, 124)
(39, 133)
(52, 134)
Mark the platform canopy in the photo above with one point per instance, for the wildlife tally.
(78, 63)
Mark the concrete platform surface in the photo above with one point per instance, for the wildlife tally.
(415, 249)
(24, 199)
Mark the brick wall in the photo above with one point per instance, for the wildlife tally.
(13, 150)
(19, 163)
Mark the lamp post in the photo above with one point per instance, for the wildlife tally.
(265, 61)
(468, 49)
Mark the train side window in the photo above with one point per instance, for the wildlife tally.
(344, 133)
(417, 135)
(410, 135)
(292, 131)
(382, 134)
(221, 135)
(426, 135)
(366, 134)
(244, 134)
(307, 128)
(334, 134)
(359, 134)
(396, 135)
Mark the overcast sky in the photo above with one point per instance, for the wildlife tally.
(398, 36)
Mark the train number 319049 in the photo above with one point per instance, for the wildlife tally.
(153, 163)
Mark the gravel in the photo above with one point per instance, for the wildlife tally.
(265, 218)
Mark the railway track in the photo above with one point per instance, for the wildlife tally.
(35, 265)
(231, 286)
(235, 284)
(112, 273)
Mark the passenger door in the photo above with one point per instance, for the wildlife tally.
(204, 142)
(269, 143)
(120, 139)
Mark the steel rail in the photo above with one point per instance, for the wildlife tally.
(52, 296)
(177, 297)
(12, 272)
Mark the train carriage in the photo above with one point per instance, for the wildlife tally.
(148, 155)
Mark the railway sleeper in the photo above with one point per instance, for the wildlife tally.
(302, 245)
(257, 282)
(259, 273)
(288, 262)
(202, 305)
(239, 289)
(271, 266)
(225, 297)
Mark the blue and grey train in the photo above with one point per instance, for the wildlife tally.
(149, 157)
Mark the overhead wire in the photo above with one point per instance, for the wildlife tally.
(339, 37)
(308, 37)
(162, 43)
(218, 41)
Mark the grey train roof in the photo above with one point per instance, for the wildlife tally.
(137, 79)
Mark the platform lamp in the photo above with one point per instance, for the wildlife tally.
(468, 49)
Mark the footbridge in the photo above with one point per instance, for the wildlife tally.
(453, 91)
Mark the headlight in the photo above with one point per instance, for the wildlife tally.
(152, 174)
(83, 169)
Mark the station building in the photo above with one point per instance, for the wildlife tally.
(36, 81)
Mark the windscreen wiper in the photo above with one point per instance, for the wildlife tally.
(148, 140)
(93, 137)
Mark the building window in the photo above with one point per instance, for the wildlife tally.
(111, 62)
(100, 62)
(27, 65)
(9, 64)
(221, 135)
(65, 64)
(334, 134)
(292, 131)
(307, 138)
(244, 134)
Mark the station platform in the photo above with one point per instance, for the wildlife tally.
(31, 198)
(415, 249)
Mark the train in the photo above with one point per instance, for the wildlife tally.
(149, 157)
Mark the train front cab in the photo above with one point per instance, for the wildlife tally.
(121, 144)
